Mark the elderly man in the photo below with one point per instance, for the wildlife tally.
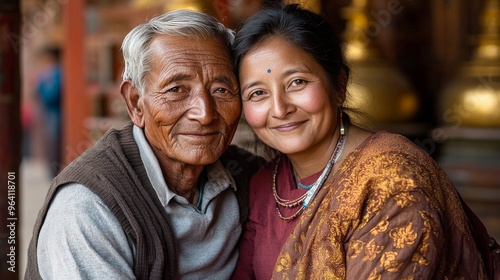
(153, 200)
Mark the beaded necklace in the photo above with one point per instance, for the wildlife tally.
(313, 189)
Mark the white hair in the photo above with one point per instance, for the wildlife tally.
(136, 50)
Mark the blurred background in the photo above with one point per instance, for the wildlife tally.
(427, 69)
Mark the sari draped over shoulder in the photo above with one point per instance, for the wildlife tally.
(389, 212)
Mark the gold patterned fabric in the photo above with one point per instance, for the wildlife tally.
(389, 212)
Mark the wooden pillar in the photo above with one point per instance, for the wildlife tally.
(76, 101)
(10, 139)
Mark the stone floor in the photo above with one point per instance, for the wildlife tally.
(34, 182)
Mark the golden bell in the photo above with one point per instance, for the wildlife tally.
(376, 88)
(473, 98)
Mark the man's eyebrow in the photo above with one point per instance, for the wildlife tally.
(175, 78)
(224, 79)
(179, 77)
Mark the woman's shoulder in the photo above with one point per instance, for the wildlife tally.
(391, 144)
(392, 156)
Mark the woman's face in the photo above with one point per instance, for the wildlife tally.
(287, 97)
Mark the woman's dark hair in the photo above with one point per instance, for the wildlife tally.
(303, 28)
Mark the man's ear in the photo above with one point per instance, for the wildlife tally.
(134, 102)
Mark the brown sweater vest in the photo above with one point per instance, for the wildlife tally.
(113, 170)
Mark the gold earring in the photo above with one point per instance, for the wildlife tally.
(342, 128)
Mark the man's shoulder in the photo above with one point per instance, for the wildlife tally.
(74, 197)
(101, 156)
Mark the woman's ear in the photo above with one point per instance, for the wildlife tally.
(134, 102)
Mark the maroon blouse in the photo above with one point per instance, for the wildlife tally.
(261, 243)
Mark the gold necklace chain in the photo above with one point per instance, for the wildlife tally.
(304, 199)
(279, 200)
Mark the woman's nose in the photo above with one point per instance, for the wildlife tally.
(282, 105)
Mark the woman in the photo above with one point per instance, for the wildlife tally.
(337, 201)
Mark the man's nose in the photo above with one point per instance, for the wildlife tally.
(202, 108)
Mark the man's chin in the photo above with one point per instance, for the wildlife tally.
(202, 156)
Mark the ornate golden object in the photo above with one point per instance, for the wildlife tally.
(376, 88)
(143, 4)
(170, 5)
(195, 5)
(473, 98)
(311, 5)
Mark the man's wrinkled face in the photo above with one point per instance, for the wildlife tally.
(191, 104)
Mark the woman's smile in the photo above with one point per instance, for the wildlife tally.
(288, 126)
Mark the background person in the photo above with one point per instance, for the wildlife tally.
(153, 200)
(337, 201)
(49, 92)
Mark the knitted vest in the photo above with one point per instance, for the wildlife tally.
(113, 170)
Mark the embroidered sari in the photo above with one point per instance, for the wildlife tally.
(389, 212)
